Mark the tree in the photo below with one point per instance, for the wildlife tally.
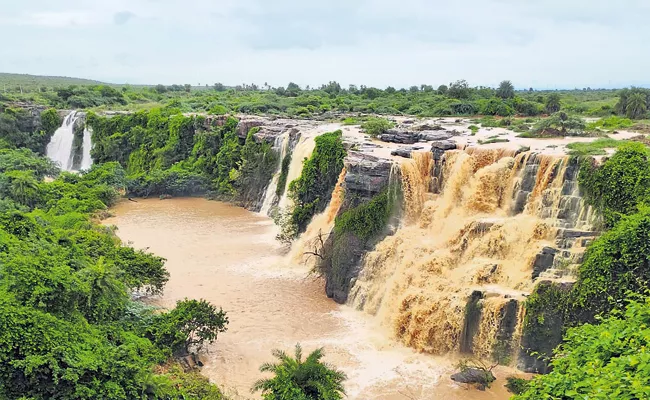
(376, 126)
(636, 106)
(442, 89)
(506, 90)
(459, 90)
(553, 103)
(561, 123)
(219, 87)
(198, 321)
(23, 187)
(610, 360)
(295, 379)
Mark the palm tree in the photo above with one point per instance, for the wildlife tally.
(553, 103)
(24, 187)
(636, 106)
(296, 379)
(506, 90)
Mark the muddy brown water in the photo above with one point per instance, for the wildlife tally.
(229, 256)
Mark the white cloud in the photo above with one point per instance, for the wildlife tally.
(546, 43)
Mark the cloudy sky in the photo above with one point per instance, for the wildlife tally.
(538, 43)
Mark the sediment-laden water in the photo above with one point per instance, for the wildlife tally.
(229, 256)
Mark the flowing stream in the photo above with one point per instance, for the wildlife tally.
(229, 256)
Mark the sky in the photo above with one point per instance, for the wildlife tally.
(543, 44)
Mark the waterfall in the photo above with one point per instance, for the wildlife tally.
(281, 145)
(59, 149)
(61, 146)
(303, 149)
(86, 160)
(478, 227)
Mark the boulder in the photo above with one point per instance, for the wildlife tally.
(474, 376)
(245, 125)
(428, 136)
(366, 174)
(399, 136)
(544, 261)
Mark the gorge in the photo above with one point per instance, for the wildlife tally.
(436, 246)
(467, 235)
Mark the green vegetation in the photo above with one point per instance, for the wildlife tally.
(20, 129)
(312, 190)
(68, 326)
(516, 385)
(298, 379)
(284, 173)
(610, 123)
(376, 126)
(367, 219)
(595, 148)
(560, 124)
(605, 361)
(327, 101)
(474, 129)
(633, 103)
(618, 186)
(167, 153)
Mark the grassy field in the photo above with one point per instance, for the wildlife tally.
(31, 83)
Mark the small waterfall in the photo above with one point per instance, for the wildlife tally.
(86, 160)
(475, 233)
(318, 229)
(62, 145)
(303, 150)
(59, 149)
(281, 146)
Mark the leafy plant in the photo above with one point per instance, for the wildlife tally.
(376, 126)
(298, 379)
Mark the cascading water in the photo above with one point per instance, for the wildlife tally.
(61, 146)
(479, 238)
(86, 160)
(59, 149)
(303, 150)
(281, 146)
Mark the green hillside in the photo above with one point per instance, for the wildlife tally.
(13, 82)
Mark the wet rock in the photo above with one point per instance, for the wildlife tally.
(402, 152)
(399, 136)
(366, 174)
(439, 147)
(428, 127)
(474, 376)
(543, 261)
(428, 136)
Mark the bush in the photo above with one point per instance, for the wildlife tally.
(376, 126)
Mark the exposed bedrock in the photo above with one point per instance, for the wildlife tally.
(367, 176)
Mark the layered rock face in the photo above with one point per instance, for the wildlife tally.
(366, 177)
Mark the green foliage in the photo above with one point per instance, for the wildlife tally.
(615, 264)
(188, 326)
(516, 385)
(298, 379)
(284, 173)
(595, 148)
(506, 90)
(68, 326)
(610, 360)
(610, 123)
(620, 184)
(560, 123)
(546, 310)
(376, 126)
(474, 129)
(313, 189)
(553, 103)
(166, 153)
(366, 220)
(19, 128)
